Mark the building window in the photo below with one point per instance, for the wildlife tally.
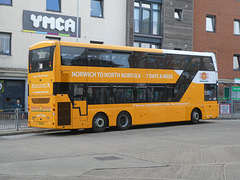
(237, 27)
(178, 14)
(146, 45)
(54, 5)
(236, 62)
(5, 43)
(210, 23)
(97, 8)
(147, 18)
(6, 2)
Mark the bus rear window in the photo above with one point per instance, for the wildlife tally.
(41, 59)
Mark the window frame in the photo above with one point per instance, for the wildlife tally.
(238, 60)
(140, 9)
(60, 7)
(10, 44)
(139, 44)
(180, 14)
(213, 18)
(101, 6)
(6, 4)
(238, 21)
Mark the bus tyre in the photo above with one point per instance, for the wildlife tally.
(195, 116)
(99, 123)
(123, 121)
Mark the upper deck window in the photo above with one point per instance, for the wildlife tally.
(41, 59)
(80, 56)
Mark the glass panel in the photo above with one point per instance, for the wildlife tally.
(136, 4)
(236, 27)
(145, 45)
(156, 23)
(178, 14)
(98, 58)
(156, 6)
(41, 59)
(141, 91)
(140, 60)
(156, 61)
(99, 95)
(146, 22)
(210, 92)
(123, 94)
(96, 8)
(73, 56)
(5, 43)
(136, 20)
(235, 62)
(155, 46)
(208, 64)
(136, 44)
(146, 5)
(121, 59)
(157, 94)
(78, 92)
(210, 24)
(7, 2)
(53, 5)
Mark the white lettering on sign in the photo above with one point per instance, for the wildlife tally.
(54, 23)
(121, 75)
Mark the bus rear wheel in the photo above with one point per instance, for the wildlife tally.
(195, 116)
(123, 121)
(99, 123)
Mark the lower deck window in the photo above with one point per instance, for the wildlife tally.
(210, 92)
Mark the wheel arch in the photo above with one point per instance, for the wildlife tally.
(103, 113)
(199, 110)
(125, 111)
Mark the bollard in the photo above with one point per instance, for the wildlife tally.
(17, 119)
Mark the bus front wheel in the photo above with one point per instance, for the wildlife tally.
(99, 123)
(195, 116)
(123, 121)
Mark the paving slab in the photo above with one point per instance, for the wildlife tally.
(74, 166)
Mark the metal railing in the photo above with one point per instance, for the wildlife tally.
(13, 119)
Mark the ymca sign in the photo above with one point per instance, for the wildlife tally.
(53, 24)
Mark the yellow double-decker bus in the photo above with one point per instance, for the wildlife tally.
(79, 86)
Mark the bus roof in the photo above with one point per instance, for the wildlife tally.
(114, 47)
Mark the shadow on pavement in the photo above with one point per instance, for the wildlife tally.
(112, 129)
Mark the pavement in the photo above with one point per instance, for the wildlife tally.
(27, 130)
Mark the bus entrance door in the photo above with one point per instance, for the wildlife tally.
(80, 114)
(82, 106)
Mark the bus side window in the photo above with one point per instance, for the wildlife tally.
(98, 58)
(99, 95)
(121, 59)
(79, 92)
(123, 94)
(141, 92)
(73, 56)
(140, 59)
(208, 64)
(156, 61)
(210, 92)
(156, 93)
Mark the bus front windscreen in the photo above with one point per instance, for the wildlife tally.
(41, 59)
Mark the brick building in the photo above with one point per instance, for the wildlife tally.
(217, 29)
